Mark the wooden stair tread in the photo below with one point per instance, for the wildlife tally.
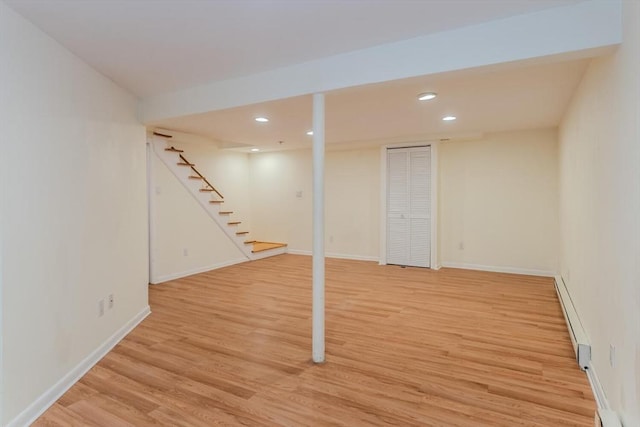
(225, 212)
(233, 223)
(185, 164)
(265, 246)
(238, 233)
(195, 177)
(216, 201)
(206, 190)
(250, 242)
(175, 150)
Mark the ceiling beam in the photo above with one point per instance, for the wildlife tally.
(582, 28)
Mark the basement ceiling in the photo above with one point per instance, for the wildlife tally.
(152, 47)
(499, 98)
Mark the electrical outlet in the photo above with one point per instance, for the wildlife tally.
(612, 355)
(101, 308)
(185, 252)
(110, 299)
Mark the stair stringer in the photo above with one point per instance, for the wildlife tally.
(170, 159)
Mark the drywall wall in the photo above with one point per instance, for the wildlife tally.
(73, 212)
(498, 197)
(185, 240)
(281, 198)
(281, 186)
(600, 211)
(499, 202)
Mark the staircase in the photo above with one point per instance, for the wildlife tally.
(212, 200)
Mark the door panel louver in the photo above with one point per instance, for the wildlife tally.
(397, 249)
(398, 200)
(409, 206)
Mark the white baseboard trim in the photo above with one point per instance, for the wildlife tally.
(513, 270)
(49, 397)
(180, 275)
(269, 253)
(436, 268)
(596, 387)
(335, 255)
(606, 416)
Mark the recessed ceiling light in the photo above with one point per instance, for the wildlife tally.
(255, 149)
(310, 133)
(262, 119)
(449, 118)
(427, 96)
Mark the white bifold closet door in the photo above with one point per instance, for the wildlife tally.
(409, 206)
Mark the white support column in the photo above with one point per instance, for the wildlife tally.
(317, 349)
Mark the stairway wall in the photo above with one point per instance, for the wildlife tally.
(181, 226)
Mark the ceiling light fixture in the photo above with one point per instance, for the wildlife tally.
(310, 133)
(449, 118)
(255, 149)
(262, 119)
(427, 96)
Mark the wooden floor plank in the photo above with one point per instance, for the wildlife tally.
(405, 346)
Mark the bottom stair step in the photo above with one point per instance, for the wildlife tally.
(265, 246)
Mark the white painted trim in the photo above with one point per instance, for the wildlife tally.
(1, 333)
(299, 252)
(336, 255)
(596, 387)
(608, 417)
(49, 397)
(198, 270)
(434, 262)
(383, 205)
(318, 262)
(435, 249)
(268, 253)
(499, 269)
(579, 339)
(353, 257)
(151, 212)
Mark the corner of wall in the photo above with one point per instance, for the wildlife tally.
(49, 397)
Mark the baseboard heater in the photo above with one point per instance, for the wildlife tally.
(606, 418)
(579, 339)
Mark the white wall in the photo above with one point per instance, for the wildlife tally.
(278, 215)
(352, 197)
(179, 223)
(600, 214)
(498, 196)
(499, 202)
(73, 210)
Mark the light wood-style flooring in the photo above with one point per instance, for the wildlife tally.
(265, 246)
(405, 347)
